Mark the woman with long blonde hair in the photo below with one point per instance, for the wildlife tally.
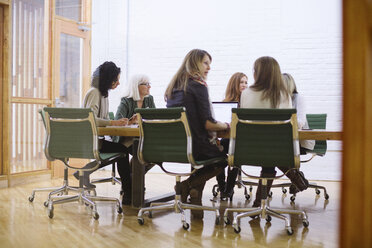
(188, 88)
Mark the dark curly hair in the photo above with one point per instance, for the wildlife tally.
(108, 73)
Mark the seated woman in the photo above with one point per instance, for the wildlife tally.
(297, 103)
(189, 89)
(137, 96)
(237, 83)
(269, 91)
(106, 77)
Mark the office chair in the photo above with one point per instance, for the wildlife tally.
(265, 138)
(113, 179)
(72, 133)
(64, 189)
(165, 136)
(315, 121)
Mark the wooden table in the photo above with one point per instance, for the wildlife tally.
(138, 169)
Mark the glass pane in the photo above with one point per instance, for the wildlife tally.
(70, 9)
(27, 140)
(70, 71)
(29, 74)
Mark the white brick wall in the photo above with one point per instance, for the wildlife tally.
(304, 36)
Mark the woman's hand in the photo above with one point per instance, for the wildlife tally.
(133, 120)
(219, 126)
(120, 122)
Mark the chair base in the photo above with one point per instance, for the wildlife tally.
(63, 190)
(240, 183)
(82, 197)
(265, 212)
(178, 207)
(113, 180)
(311, 185)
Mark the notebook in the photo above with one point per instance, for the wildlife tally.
(222, 110)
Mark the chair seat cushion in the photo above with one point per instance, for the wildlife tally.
(210, 161)
(108, 158)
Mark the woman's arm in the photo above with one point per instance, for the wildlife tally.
(218, 126)
(92, 101)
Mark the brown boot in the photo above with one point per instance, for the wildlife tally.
(257, 201)
(185, 191)
(297, 178)
(196, 195)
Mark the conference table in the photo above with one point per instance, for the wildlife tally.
(138, 169)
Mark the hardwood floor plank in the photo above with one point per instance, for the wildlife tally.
(26, 224)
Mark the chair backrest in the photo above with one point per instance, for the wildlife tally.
(164, 136)
(111, 115)
(71, 133)
(264, 137)
(318, 121)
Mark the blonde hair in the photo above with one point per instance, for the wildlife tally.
(190, 67)
(268, 79)
(233, 87)
(135, 81)
(289, 83)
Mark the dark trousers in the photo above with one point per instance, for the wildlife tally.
(123, 165)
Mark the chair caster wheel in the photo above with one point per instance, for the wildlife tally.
(96, 216)
(215, 190)
(293, 198)
(140, 221)
(270, 194)
(317, 191)
(31, 198)
(268, 218)
(284, 190)
(120, 210)
(237, 229)
(185, 225)
(227, 220)
(289, 231)
(305, 223)
(247, 197)
(51, 212)
(326, 196)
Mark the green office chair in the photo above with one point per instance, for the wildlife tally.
(165, 137)
(72, 133)
(113, 179)
(64, 189)
(265, 138)
(315, 121)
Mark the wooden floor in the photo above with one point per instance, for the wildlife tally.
(25, 224)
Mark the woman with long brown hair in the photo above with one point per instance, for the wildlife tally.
(269, 91)
(237, 83)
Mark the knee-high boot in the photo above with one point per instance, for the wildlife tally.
(194, 186)
(86, 174)
(259, 192)
(297, 178)
(230, 183)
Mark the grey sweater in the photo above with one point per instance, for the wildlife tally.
(95, 101)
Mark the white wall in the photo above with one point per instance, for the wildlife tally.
(305, 37)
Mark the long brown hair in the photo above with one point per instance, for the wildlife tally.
(190, 68)
(233, 93)
(268, 79)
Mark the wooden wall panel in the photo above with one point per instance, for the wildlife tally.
(356, 202)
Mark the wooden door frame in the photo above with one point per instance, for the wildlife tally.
(5, 93)
(71, 28)
(356, 191)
